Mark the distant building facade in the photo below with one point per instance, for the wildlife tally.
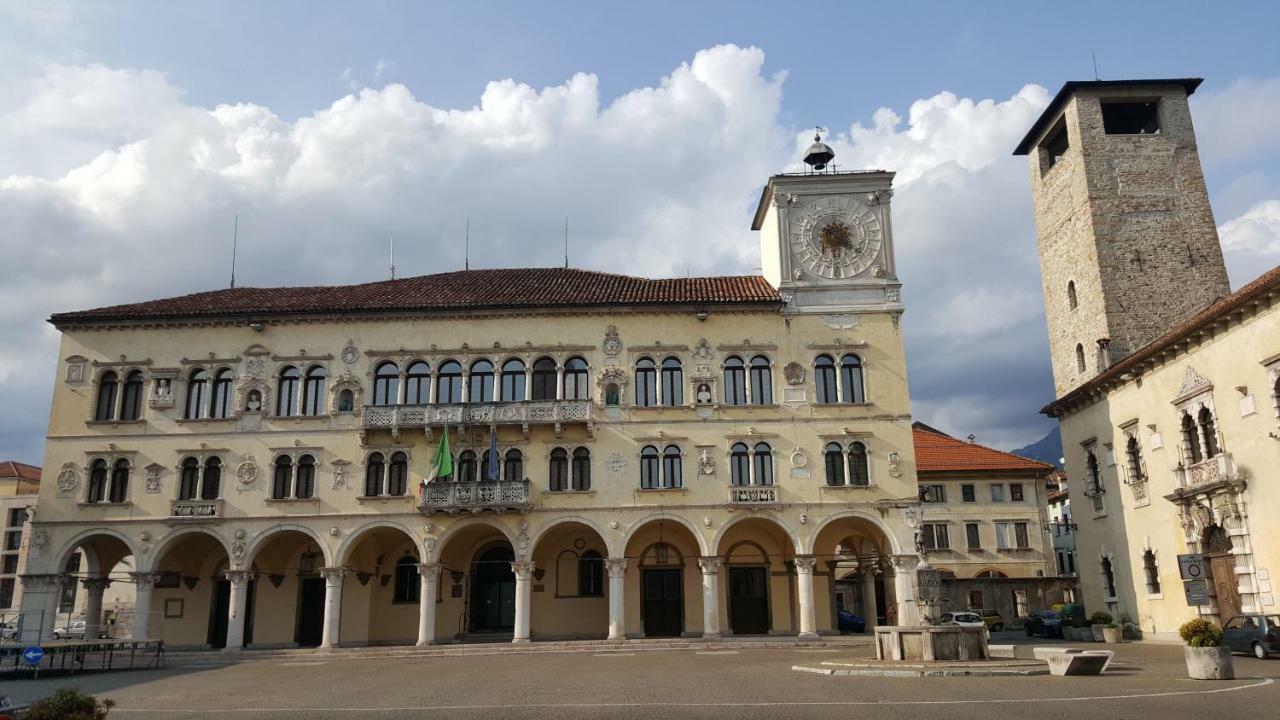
(19, 485)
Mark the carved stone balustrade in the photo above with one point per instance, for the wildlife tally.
(194, 511)
(475, 497)
(753, 495)
(554, 413)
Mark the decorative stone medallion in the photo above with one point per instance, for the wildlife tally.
(612, 344)
(794, 373)
(706, 462)
(616, 463)
(350, 353)
(246, 473)
(153, 477)
(68, 479)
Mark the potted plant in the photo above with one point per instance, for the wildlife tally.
(1097, 621)
(1112, 634)
(69, 704)
(1207, 658)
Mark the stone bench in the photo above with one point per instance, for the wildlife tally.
(1077, 664)
(1003, 651)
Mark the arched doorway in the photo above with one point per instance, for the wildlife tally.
(1216, 545)
(381, 595)
(493, 590)
(97, 586)
(665, 553)
(759, 577)
(858, 555)
(191, 596)
(286, 594)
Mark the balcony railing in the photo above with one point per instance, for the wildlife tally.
(524, 413)
(475, 497)
(753, 494)
(1217, 468)
(195, 510)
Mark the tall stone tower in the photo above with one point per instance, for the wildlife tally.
(1128, 246)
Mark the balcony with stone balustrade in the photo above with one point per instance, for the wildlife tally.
(524, 414)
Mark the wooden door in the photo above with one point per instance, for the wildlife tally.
(493, 591)
(1225, 588)
(663, 603)
(749, 600)
(310, 628)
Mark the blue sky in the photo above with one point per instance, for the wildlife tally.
(646, 122)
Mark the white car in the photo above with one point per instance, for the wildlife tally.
(73, 630)
(963, 619)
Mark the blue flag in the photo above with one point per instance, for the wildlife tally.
(494, 463)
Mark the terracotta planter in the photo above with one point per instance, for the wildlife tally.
(1208, 663)
(1097, 633)
(1112, 635)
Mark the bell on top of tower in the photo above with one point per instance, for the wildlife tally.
(819, 154)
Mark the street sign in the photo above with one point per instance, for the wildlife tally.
(32, 655)
(1197, 592)
(1192, 567)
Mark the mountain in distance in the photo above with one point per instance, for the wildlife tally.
(1047, 449)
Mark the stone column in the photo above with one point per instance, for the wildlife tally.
(39, 607)
(869, 608)
(710, 597)
(904, 587)
(617, 568)
(332, 631)
(235, 613)
(93, 589)
(428, 577)
(804, 589)
(142, 584)
(524, 596)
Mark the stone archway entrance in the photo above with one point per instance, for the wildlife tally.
(1222, 565)
(493, 590)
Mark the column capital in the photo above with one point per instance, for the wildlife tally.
(431, 570)
(710, 565)
(522, 568)
(237, 577)
(904, 562)
(143, 580)
(333, 573)
(805, 563)
(41, 581)
(617, 567)
(96, 584)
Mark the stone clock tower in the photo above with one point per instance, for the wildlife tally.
(826, 238)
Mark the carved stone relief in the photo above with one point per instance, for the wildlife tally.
(68, 479)
(152, 483)
(794, 373)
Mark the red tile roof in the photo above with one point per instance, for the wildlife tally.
(1266, 284)
(462, 290)
(939, 453)
(13, 468)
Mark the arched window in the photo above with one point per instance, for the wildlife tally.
(1191, 439)
(449, 383)
(739, 465)
(852, 389)
(1133, 453)
(466, 466)
(490, 471)
(407, 584)
(735, 381)
(672, 382)
(97, 481)
(646, 383)
(386, 384)
(287, 392)
(650, 476)
(119, 482)
(480, 386)
(544, 379)
(761, 381)
(581, 469)
(672, 472)
(108, 386)
(764, 464)
(824, 381)
(189, 480)
(575, 379)
(1210, 435)
(313, 391)
(513, 466)
(212, 484)
(1079, 357)
(374, 468)
(859, 469)
(1108, 578)
(1071, 294)
(282, 480)
(591, 574)
(220, 397)
(833, 454)
(513, 377)
(1152, 572)
(197, 383)
(1094, 479)
(417, 383)
(346, 401)
(305, 487)
(398, 474)
(131, 402)
(558, 474)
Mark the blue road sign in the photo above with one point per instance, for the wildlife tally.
(33, 655)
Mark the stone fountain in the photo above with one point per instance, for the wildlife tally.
(929, 641)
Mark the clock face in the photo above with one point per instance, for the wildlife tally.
(835, 238)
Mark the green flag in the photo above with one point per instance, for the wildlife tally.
(443, 466)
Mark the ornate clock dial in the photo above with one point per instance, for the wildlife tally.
(835, 238)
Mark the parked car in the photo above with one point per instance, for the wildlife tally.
(8, 631)
(1257, 634)
(993, 619)
(71, 631)
(963, 619)
(1044, 623)
(848, 622)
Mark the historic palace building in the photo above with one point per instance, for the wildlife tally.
(1168, 384)
(628, 457)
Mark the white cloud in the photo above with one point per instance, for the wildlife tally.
(1238, 121)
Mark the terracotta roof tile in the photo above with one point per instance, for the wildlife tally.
(467, 289)
(938, 453)
(13, 468)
